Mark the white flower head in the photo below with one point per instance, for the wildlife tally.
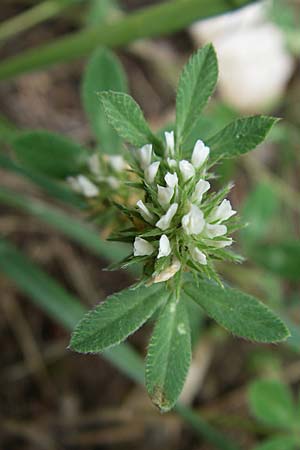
(151, 171)
(144, 212)
(187, 169)
(170, 142)
(200, 154)
(165, 221)
(193, 222)
(117, 162)
(164, 195)
(198, 256)
(144, 156)
(169, 272)
(222, 212)
(83, 185)
(141, 247)
(164, 247)
(201, 187)
(171, 179)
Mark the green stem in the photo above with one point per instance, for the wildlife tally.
(32, 17)
(159, 20)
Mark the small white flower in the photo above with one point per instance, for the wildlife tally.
(151, 171)
(117, 162)
(164, 222)
(169, 272)
(144, 212)
(170, 142)
(200, 154)
(144, 155)
(83, 185)
(164, 247)
(113, 182)
(212, 231)
(172, 163)
(193, 222)
(141, 247)
(164, 195)
(201, 187)
(198, 256)
(171, 179)
(223, 212)
(94, 164)
(187, 169)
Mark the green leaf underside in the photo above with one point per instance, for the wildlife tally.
(116, 318)
(49, 153)
(278, 443)
(169, 355)
(240, 136)
(196, 84)
(271, 402)
(242, 314)
(127, 118)
(103, 72)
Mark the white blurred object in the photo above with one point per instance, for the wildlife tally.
(254, 63)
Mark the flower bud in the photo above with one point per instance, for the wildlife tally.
(164, 196)
(212, 231)
(171, 179)
(186, 169)
(141, 247)
(164, 247)
(151, 172)
(200, 154)
(193, 222)
(144, 212)
(144, 155)
(117, 162)
(165, 221)
(83, 185)
(170, 143)
(201, 187)
(198, 256)
(169, 272)
(223, 212)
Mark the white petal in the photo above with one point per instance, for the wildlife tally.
(141, 247)
(144, 155)
(144, 212)
(165, 221)
(201, 187)
(94, 164)
(187, 169)
(151, 171)
(223, 212)
(164, 247)
(169, 272)
(222, 243)
(86, 187)
(198, 256)
(170, 143)
(171, 179)
(117, 162)
(164, 196)
(193, 222)
(172, 163)
(212, 231)
(200, 154)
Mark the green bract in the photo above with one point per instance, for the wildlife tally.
(178, 224)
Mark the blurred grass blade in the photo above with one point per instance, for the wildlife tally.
(67, 224)
(152, 21)
(33, 16)
(67, 310)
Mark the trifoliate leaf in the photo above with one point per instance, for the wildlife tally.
(49, 153)
(240, 136)
(115, 319)
(169, 355)
(127, 118)
(103, 72)
(271, 402)
(197, 83)
(242, 314)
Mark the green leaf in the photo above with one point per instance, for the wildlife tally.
(127, 118)
(103, 72)
(243, 315)
(169, 355)
(278, 443)
(240, 136)
(49, 153)
(112, 321)
(271, 402)
(196, 84)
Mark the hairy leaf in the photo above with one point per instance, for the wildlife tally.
(169, 355)
(115, 319)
